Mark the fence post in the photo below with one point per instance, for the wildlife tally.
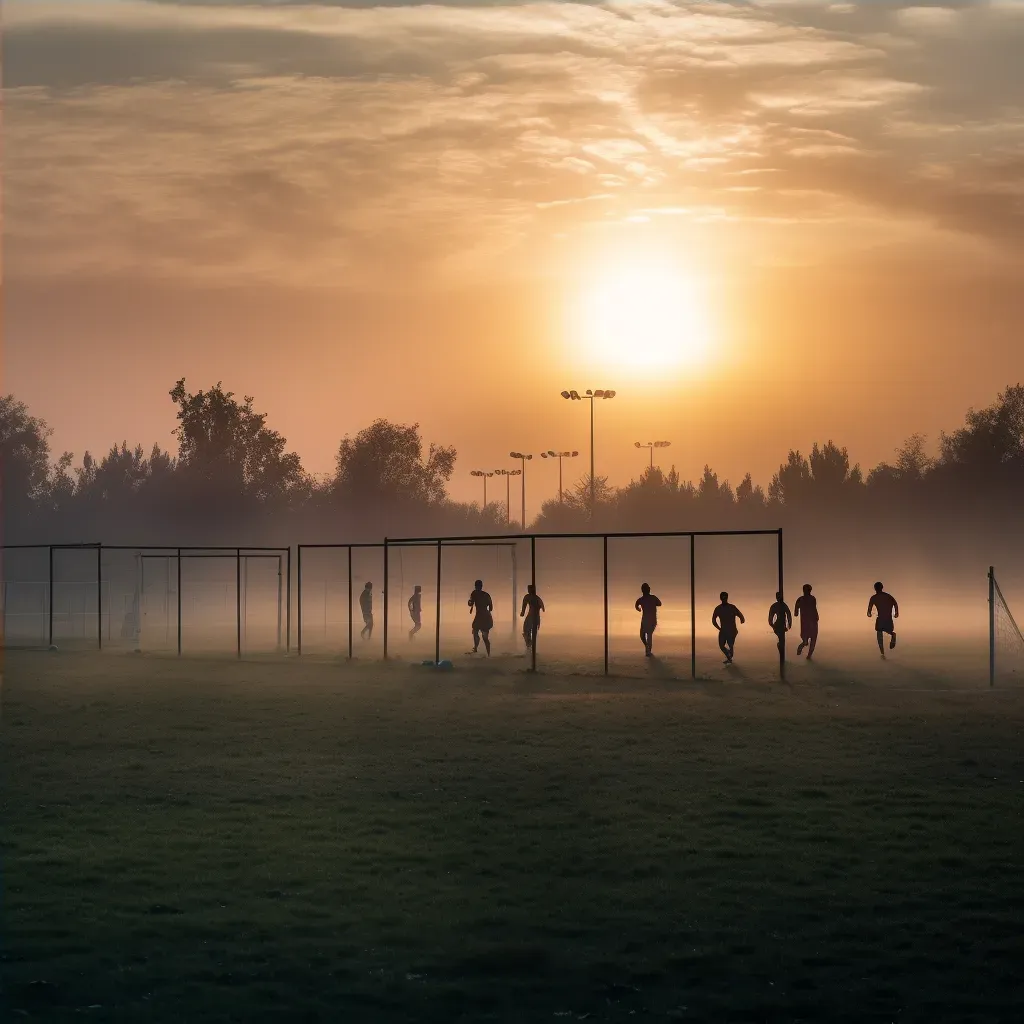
(533, 580)
(991, 625)
(50, 592)
(349, 602)
(238, 601)
(693, 607)
(782, 597)
(99, 597)
(437, 614)
(288, 603)
(179, 600)
(605, 581)
(385, 617)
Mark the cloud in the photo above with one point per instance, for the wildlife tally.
(362, 142)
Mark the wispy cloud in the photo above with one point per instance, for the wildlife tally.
(365, 141)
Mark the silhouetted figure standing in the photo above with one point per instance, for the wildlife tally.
(530, 613)
(724, 620)
(806, 610)
(887, 609)
(366, 607)
(483, 621)
(415, 606)
(647, 605)
(780, 618)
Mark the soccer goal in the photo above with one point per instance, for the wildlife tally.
(1005, 640)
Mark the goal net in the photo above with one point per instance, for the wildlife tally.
(1006, 641)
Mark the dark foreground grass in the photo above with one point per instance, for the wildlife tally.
(210, 841)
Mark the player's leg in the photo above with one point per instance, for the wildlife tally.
(723, 645)
(476, 639)
(811, 644)
(880, 637)
(486, 633)
(803, 640)
(892, 640)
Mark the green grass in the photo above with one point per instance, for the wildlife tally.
(214, 841)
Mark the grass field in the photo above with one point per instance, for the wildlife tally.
(273, 841)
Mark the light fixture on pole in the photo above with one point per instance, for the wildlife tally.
(559, 456)
(523, 459)
(508, 474)
(575, 396)
(652, 445)
(485, 475)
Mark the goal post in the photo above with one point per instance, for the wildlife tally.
(1005, 640)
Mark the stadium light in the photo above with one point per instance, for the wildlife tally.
(652, 445)
(575, 396)
(523, 459)
(485, 475)
(508, 474)
(559, 456)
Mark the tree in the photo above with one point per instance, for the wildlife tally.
(225, 448)
(991, 439)
(384, 463)
(25, 461)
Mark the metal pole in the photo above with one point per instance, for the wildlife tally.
(99, 597)
(559, 479)
(533, 580)
(179, 600)
(605, 540)
(524, 494)
(280, 588)
(238, 601)
(485, 493)
(437, 610)
(349, 602)
(593, 492)
(652, 458)
(288, 602)
(991, 626)
(693, 609)
(508, 500)
(50, 589)
(298, 601)
(385, 599)
(782, 597)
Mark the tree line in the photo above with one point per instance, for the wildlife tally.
(234, 481)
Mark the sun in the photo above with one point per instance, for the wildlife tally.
(643, 315)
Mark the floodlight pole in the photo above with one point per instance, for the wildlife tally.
(650, 446)
(559, 456)
(590, 395)
(523, 459)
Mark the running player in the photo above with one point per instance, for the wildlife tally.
(724, 620)
(415, 606)
(887, 608)
(806, 610)
(780, 618)
(533, 605)
(366, 607)
(481, 606)
(647, 605)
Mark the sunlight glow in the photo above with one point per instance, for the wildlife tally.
(642, 315)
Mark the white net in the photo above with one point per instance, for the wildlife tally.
(1007, 639)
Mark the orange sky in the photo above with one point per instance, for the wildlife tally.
(353, 209)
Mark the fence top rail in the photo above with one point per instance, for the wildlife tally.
(412, 542)
(588, 536)
(173, 553)
(56, 547)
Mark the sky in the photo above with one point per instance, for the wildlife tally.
(762, 223)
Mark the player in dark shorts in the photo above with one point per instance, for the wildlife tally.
(483, 621)
(530, 613)
(806, 610)
(647, 605)
(780, 619)
(724, 620)
(887, 609)
(366, 607)
(415, 606)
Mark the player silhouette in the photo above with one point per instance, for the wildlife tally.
(806, 610)
(887, 609)
(483, 622)
(780, 618)
(415, 606)
(530, 613)
(366, 607)
(724, 620)
(647, 605)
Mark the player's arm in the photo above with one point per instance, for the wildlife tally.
(895, 608)
(657, 602)
(540, 605)
(871, 604)
(796, 607)
(522, 611)
(715, 620)
(637, 605)
(740, 614)
(789, 617)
